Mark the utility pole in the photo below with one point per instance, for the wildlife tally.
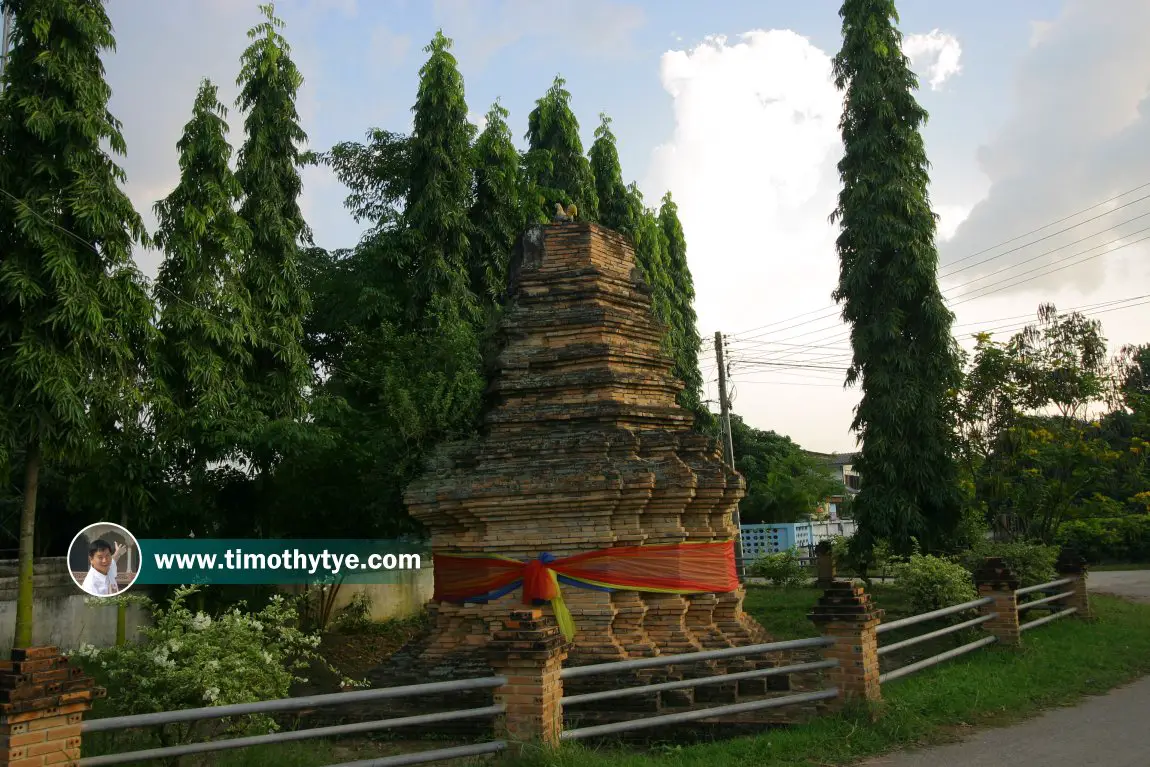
(728, 446)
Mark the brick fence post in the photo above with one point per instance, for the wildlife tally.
(1071, 565)
(42, 700)
(996, 581)
(824, 565)
(529, 651)
(847, 614)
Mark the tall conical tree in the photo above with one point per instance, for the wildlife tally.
(203, 307)
(904, 354)
(686, 342)
(497, 214)
(268, 171)
(440, 194)
(564, 174)
(74, 310)
(615, 210)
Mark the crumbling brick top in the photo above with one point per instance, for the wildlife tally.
(845, 603)
(996, 573)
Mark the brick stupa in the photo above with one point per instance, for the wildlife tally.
(583, 448)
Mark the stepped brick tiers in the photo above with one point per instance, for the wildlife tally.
(588, 492)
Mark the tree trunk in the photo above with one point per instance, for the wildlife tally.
(23, 636)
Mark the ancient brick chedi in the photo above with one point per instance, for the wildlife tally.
(583, 448)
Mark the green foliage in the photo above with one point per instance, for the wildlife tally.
(355, 615)
(783, 568)
(74, 311)
(933, 582)
(685, 334)
(784, 484)
(187, 659)
(1113, 539)
(498, 214)
(615, 209)
(1060, 362)
(268, 173)
(1131, 383)
(559, 170)
(904, 356)
(436, 214)
(1033, 563)
(202, 354)
(377, 175)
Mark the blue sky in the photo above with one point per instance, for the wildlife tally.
(1034, 116)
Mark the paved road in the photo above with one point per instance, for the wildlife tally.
(1106, 731)
(1130, 584)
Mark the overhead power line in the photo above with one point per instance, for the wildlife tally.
(837, 333)
(744, 335)
(776, 365)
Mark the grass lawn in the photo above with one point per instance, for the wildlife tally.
(1059, 664)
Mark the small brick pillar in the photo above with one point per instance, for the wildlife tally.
(824, 565)
(1071, 565)
(529, 651)
(847, 614)
(996, 580)
(42, 700)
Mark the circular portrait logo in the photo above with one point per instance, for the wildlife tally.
(104, 559)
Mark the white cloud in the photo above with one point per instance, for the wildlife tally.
(936, 54)
(751, 165)
(478, 120)
(950, 217)
(1078, 133)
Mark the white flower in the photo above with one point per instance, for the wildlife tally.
(267, 656)
(201, 621)
(212, 665)
(211, 694)
(175, 645)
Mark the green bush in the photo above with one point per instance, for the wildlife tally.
(1111, 539)
(355, 616)
(932, 583)
(784, 568)
(1033, 563)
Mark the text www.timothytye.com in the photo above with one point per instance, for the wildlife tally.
(290, 560)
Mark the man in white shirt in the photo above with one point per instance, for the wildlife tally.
(101, 578)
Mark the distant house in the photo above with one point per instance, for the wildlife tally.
(841, 467)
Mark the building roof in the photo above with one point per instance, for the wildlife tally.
(834, 459)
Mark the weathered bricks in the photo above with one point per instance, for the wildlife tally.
(847, 614)
(531, 656)
(1071, 565)
(996, 581)
(39, 719)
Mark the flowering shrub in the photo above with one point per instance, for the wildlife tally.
(189, 659)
